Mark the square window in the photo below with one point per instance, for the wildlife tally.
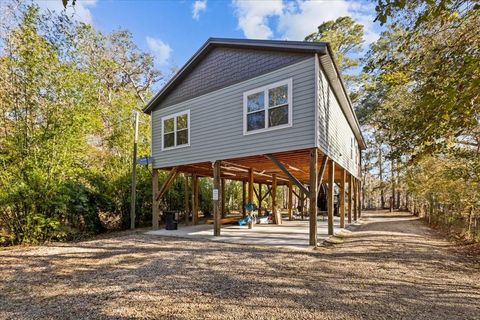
(176, 130)
(182, 137)
(278, 96)
(182, 122)
(169, 125)
(256, 120)
(278, 116)
(256, 102)
(169, 140)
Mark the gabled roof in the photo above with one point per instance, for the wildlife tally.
(276, 45)
(321, 48)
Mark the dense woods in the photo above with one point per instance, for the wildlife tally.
(419, 105)
(68, 93)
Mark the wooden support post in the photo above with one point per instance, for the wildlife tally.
(355, 199)
(341, 207)
(250, 192)
(277, 217)
(155, 203)
(330, 198)
(290, 201)
(259, 199)
(313, 196)
(360, 198)
(244, 197)
(302, 202)
(223, 197)
(187, 200)
(166, 184)
(350, 197)
(194, 199)
(216, 202)
(158, 193)
(250, 185)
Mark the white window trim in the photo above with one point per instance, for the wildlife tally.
(265, 89)
(174, 116)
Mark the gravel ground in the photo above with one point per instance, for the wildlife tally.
(389, 267)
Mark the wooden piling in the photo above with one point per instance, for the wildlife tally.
(355, 199)
(313, 197)
(341, 207)
(290, 201)
(277, 217)
(244, 197)
(330, 198)
(350, 197)
(216, 200)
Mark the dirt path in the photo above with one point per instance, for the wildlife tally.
(390, 267)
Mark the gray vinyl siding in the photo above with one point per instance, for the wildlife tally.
(216, 121)
(334, 132)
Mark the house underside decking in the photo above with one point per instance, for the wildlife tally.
(304, 170)
(297, 162)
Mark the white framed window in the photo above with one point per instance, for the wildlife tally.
(268, 108)
(176, 130)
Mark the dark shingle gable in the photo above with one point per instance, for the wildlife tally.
(223, 62)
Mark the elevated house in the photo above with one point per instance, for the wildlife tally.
(259, 111)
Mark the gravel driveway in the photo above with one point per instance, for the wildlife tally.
(390, 267)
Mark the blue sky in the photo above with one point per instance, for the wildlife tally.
(173, 30)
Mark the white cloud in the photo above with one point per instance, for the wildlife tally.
(304, 17)
(295, 20)
(160, 50)
(198, 6)
(253, 17)
(80, 11)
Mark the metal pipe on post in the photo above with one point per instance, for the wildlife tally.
(134, 173)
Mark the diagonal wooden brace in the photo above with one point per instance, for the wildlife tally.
(168, 182)
(287, 173)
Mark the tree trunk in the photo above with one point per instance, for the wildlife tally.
(393, 205)
(380, 167)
